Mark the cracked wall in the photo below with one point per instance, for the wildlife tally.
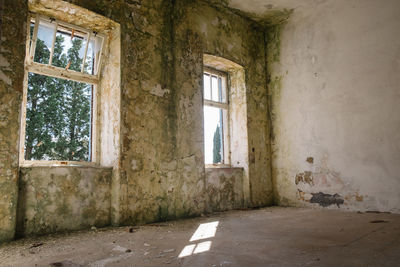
(335, 90)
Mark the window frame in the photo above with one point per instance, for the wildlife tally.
(61, 73)
(225, 120)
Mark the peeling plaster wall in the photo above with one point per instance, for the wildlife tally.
(335, 84)
(225, 188)
(148, 167)
(160, 174)
(209, 30)
(238, 149)
(53, 199)
(12, 54)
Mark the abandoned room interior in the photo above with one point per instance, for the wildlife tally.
(199, 132)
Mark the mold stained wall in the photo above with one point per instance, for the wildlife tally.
(200, 29)
(12, 55)
(162, 47)
(225, 188)
(336, 125)
(53, 199)
(161, 174)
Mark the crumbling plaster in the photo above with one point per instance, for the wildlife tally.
(53, 199)
(12, 54)
(161, 173)
(230, 36)
(225, 188)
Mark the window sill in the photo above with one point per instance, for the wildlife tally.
(55, 164)
(221, 166)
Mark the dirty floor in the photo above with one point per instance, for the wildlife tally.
(265, 237)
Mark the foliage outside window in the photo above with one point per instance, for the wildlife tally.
(63, 65)
(215, 117)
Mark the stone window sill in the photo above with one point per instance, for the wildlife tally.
(221, 166)
(67, 164)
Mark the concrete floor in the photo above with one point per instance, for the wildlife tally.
(266, 237)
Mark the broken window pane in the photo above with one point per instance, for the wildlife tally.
(44, 41)
(213, 135)
(58, 119)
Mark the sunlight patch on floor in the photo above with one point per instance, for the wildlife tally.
(204, 231)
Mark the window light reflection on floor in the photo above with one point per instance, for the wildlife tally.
(187, 251)
(204, 231)
(202, 247)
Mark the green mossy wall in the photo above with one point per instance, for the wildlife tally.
(162, 174)
(12, 54)
(54, 199)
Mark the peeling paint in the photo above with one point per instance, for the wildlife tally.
(305, 177)
(158, 91)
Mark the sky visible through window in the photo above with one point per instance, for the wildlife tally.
(213, 119)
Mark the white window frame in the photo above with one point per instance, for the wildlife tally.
(225, 120)
(58, 72)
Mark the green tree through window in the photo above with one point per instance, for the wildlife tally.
(58, 111)
(217, 146)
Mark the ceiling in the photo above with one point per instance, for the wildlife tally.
(268, 11)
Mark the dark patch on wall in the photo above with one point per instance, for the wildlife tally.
(326, 200)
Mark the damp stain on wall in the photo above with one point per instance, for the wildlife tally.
(321, 185)
(326, 200)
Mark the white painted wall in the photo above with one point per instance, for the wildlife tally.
(340, 104)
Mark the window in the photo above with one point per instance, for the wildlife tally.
(216, 128)
(63, 66)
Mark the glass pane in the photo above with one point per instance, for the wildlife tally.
(213, 135)
(69, 48)
(58, 119)
(93, 55)
(222, 90)
(44, 41)
(207, 92)
(214, 87)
